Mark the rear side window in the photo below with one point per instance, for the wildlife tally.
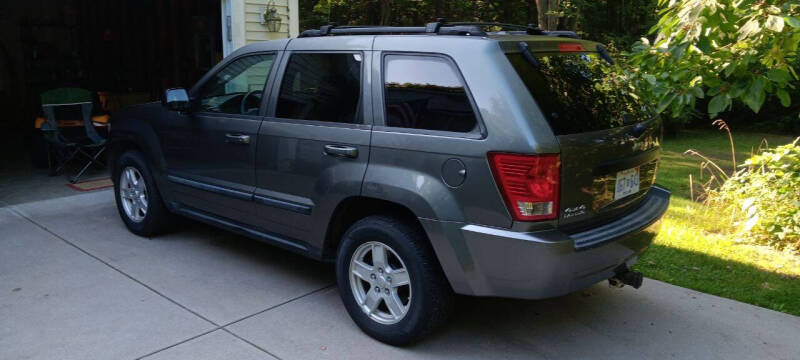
(426, 92)
(578, 93)
(321, 86)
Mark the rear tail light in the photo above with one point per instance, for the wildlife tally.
(529, 184)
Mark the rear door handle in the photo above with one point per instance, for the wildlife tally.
(237, 138)
(341, 151)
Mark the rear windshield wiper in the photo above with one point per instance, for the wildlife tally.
(526, 53)
(604, 54)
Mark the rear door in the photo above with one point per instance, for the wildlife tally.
(313, 147)
(610, 140)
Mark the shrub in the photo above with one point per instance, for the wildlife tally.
(764, 197)
(726, 51)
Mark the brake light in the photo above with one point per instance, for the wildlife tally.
(570, 47)
(529, 184)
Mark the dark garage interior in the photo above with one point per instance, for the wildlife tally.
(122, 51)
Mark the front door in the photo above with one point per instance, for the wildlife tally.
(314, 147)
(210, 151)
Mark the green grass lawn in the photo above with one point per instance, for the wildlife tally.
(696, 247)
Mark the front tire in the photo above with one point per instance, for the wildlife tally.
(390, 281)
(138, 200)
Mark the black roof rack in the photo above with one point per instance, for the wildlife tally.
(563, 33)
(438, 27)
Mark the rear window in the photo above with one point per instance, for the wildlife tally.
(578, 93)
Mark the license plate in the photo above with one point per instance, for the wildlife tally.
(627, 183)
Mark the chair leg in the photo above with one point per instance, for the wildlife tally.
(66, 160)
(50, 170)
(92, 160)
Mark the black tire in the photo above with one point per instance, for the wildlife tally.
(430, 305)
(157, 217)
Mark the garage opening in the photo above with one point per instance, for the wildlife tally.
(122, 52)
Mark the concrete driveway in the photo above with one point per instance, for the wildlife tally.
(75, 284)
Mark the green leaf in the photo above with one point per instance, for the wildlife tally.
(774, 23)
(729, 68)
(665, 101)
(738, 89)
(718, 104)
(786, 100)
(792, 21)
(650, 79)
(779, 75)
(697, 92)
(755, 95)
(749, 28)
(677, 52)
(677, 75)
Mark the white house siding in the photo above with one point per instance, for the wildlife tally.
(246, 27)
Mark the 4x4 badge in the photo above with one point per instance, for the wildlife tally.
(574, 211)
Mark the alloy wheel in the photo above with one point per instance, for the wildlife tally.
(133, 193)
(380, 282)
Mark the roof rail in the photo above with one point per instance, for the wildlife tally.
(562, 33)
(530, 29)
(438, 27)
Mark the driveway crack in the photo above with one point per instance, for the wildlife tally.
(216, 326)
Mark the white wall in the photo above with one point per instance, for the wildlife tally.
(246, 26)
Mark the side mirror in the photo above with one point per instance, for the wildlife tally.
(176, 99)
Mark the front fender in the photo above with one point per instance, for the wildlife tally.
(135, 127)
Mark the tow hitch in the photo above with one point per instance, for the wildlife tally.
(625, 276)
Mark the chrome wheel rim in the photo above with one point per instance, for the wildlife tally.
(380, 282)
(133, 194)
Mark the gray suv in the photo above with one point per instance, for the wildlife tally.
(423, 161)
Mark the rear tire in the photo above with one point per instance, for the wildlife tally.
(382, 307)
(138, 201)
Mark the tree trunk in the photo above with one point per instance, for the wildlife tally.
(504, 11)
(438, 8)
(547, 21)
(386, 12)
(533, 14)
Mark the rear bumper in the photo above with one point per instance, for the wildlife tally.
(485, 261)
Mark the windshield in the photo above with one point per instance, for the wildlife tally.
(579, 92)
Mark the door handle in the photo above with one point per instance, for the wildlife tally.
(237, 138)
(341, 151)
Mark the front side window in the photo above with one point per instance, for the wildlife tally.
(425, 92)
(322, 87)
(237, 88)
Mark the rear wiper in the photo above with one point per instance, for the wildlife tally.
(604, 54)
(526, 53)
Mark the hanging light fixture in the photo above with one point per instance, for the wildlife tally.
(270, 18)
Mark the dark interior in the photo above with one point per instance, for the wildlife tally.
(127, 51)
(324, 87)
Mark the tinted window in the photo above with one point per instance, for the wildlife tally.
(579, 93)
(237, 88)
(425, 92)
(324, 87)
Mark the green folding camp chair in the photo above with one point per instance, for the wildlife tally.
(87, 144)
